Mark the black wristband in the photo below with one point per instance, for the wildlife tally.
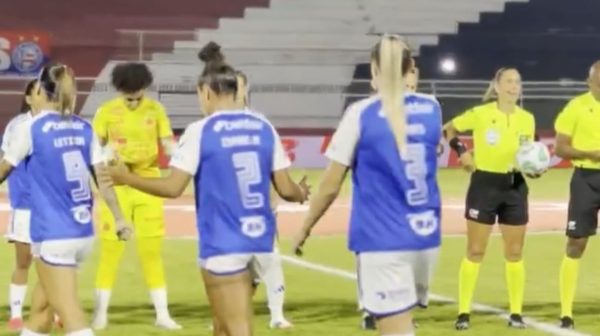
(457, 146)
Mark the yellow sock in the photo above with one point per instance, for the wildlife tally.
(149, 251)
(569, 271)
(467, 278)
(111, 252)
(515, 282)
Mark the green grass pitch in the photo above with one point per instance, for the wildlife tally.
(322, 304)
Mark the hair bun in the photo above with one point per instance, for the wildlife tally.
(211, 52)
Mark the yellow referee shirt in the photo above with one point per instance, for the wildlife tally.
(134, 134)
(580, 120)
(496, 135)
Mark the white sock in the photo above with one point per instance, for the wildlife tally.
(17, 296)
(27, 332)
(102, 301)
(82, 332)
(275, 287)
(161, 305)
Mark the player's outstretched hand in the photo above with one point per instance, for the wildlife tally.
(298, 241)
(305, 188)
(118, 172)
(123, 230)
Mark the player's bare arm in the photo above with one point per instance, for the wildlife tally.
(105, 186)
(451, 135)
(171, 186)
(288, 189)
(5, 169)
(565, 150)
(329, 189)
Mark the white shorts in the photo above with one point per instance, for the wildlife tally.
(261, 263)
(63, 252)
(394, 282)
(230, 263)
(18, 229)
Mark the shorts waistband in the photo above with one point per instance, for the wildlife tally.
(587, 170)
(496, 174)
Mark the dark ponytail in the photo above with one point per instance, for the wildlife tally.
(25, 107)
(218, 75)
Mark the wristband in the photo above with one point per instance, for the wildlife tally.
(457, 146)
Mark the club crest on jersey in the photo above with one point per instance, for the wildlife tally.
(253, 226)
(82, 214)
(423, 224)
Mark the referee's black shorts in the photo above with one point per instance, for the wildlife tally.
(584, 203)
(497, 196)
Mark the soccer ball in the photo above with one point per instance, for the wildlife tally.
(533, 158)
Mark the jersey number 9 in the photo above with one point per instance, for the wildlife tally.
(77, 171)
(248, 174)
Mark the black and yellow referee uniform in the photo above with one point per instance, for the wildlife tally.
(580, 122)
(497, 191)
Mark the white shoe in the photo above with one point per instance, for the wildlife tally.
(281, 324)
(100, 322)
(167, 323)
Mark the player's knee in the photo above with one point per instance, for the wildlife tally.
(475, 252)
(513, 252)
(24, 262)
(576, 247)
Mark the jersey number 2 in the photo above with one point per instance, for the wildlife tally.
(77, 171)
(416, 171)
(248, 174)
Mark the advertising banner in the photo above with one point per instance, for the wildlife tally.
(23, 53)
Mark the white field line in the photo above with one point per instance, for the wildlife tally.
(541, 326)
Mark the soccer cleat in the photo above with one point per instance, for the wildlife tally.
(15, 324)
(516, 321)
(462, 322)
(567, 322)
(167, 323)
(368, 322)
(282, 324)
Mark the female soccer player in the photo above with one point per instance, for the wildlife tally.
(18, 229)
(268, 267)
(134, 124)
(389, 141)
(232, 155)
(60, 148)
(497, 190)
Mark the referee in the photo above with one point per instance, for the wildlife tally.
(496, 191)
(578, 139)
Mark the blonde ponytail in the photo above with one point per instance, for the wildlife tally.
(391, 87)
(490, 93)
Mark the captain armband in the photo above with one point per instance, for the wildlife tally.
(457, 146)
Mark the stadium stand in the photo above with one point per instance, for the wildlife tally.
(544, 39)
(310, 47)
(104, 23)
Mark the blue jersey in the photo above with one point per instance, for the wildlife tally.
(395, 201)
(59, 156)
(18, 181)
(232, 155)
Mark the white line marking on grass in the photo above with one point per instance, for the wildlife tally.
(541, 326)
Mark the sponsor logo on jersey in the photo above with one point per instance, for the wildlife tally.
(239, 124)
